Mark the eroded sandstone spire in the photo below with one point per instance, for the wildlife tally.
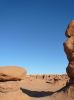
(69, 49)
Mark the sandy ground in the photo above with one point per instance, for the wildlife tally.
(33, 88)
(40, 89)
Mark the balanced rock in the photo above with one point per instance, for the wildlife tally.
(69, 49)
(11, 73)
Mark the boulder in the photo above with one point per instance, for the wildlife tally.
(11, 73)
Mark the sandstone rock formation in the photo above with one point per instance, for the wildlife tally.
(10, 79)
(69, 49)
(11, 73)
(9, 86)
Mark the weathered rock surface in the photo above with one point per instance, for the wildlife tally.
(70, 29)
(11, 73)
(16, 95)
(9, 86)
(10, 79)
(69, 49)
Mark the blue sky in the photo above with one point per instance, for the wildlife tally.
(32, 34)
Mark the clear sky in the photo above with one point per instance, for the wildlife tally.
(32, 34)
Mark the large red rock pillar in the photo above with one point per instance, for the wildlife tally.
(69, 50)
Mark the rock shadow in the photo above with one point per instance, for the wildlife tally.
(63, 89)
(41, 93)
(36, 93)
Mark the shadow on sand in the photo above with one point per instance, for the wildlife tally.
(41, 93)
(36, 93)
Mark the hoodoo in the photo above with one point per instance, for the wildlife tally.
(69, 50)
